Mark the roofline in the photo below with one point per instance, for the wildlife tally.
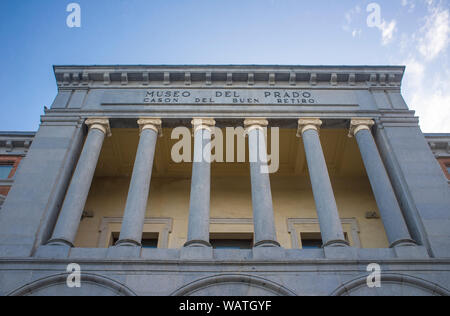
(16, 133)
(233, 66)
(437, 134)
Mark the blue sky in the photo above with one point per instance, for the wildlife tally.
(34, 36)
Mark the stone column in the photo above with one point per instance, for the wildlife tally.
(136, 206)
(70, 215)
(199, 208)
(394, 223)
(327, 212)
(263, 216)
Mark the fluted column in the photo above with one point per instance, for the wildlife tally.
(199, 207)
(70, 215)
(327, 212)
(136, 206)
(263, 216)
(394, 223)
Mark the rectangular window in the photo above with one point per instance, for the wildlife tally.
(313, 240)
(149, 240)
(231, 241)
(5, 171)
(448, 169)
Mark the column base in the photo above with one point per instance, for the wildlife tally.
(59, 242)
(127, 243)
(403, 243)
(197, 243)
(336, 243)
(266, 243)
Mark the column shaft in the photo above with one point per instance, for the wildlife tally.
(136, 206)
(70, 215)
(263, 215)
(327, 211)
(394, 223)
(199, 207)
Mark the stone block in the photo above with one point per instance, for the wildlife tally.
(53, 252)
(341, 253)
(124, 252)
(160, 254)
(88, 253)
(411, 252)
(232, 254)
(196, 253)
(269, 253)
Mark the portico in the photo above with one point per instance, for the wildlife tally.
(263, 213)
(355, 184)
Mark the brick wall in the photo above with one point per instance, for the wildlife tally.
(15, 161)
(444, 162)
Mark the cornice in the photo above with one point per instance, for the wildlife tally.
(12, 142)
(439, 144)
(350, 77)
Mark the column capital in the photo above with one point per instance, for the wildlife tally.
(359, 124)
(203, 123)
(305, 124)
(152, 123)
(254, 123)
(100, 123)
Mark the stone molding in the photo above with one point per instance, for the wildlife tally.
(392, 278)
(305, 124)
(101, 124)
(154, 124)
(163, 240)
(88, 278)
(255, 123)
(293, 222)
(350, 77)
(221, 279)
(439, 144)
(16, 143)
(203, 123)
(359, 124)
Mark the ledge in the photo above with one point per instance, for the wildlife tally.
(250, 75)
(275, 254)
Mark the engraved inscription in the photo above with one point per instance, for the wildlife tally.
(192, 96)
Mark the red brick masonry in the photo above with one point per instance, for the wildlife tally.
(444, 162)
(15, 161)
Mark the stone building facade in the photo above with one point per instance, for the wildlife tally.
(440, 145)
(356, 185)
(13, 147)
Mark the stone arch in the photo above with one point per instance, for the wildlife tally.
(91, 284)
(234, 285)
(391, 284)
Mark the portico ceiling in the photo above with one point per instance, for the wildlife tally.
(341, 154)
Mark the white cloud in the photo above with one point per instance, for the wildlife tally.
(426, 84)
(409, 3)
(432, 106)
(387, 31)
(435, 34)
(428, 95)
(349, 17)
(356, 33)
(415, 72)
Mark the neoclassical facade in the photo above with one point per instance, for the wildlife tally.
(355, 184)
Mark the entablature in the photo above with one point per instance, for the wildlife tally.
(348, 77)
